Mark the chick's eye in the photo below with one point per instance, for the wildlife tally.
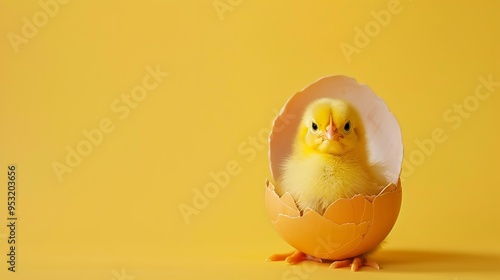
(314, 126)
(347, 126)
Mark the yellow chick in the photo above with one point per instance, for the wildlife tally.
(329, 158)
(329, 161)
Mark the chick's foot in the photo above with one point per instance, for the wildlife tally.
(355, 263)
(292, 257)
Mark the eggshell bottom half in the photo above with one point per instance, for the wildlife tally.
(348, 228)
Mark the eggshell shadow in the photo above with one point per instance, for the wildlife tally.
(438, 261)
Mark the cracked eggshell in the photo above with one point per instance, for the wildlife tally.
(350, 226)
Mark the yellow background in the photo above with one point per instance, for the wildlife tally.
(228, 74)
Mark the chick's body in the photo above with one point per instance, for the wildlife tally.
(329, 158)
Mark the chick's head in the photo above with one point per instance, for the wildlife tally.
(332, 126)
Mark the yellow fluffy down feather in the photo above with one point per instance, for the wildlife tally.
(329, 158)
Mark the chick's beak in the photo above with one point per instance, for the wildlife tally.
(331, 131)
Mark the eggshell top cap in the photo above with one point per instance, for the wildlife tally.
(383, 134)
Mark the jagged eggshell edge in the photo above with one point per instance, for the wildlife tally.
(325, 238)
